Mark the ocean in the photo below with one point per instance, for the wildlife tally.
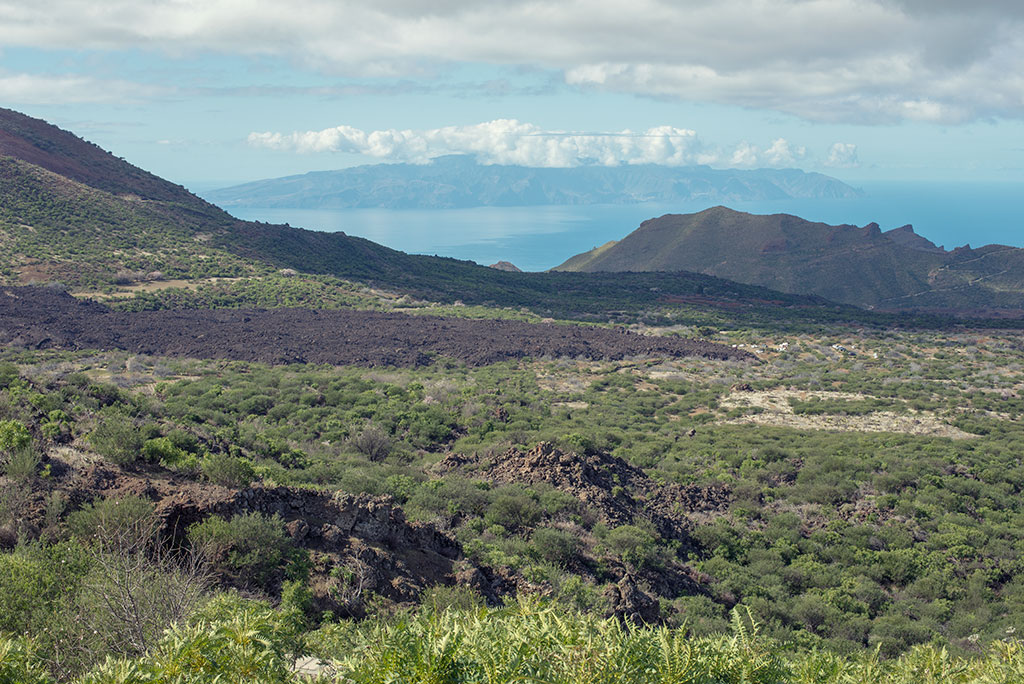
(538, 238)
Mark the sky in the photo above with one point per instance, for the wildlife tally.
(215, 92)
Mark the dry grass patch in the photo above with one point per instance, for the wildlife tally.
(776, 411)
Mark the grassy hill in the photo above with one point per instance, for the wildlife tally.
(856, 265)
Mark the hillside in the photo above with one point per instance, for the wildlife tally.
(863, 266)
(108, 225)
(459, 181)
(65, 154)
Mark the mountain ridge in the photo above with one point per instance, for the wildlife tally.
(859, 265)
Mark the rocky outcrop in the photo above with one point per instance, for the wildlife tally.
(619, 493)
(359, 544)
(506, 266)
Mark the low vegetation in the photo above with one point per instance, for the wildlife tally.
(233, 640)
(839, 542)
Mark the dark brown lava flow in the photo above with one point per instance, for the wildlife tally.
(36, 317)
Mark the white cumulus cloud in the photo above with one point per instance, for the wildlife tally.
(842, 156)
(508, 141)
(778, 155)
(502, 141)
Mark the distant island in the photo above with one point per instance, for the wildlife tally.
(458, 181)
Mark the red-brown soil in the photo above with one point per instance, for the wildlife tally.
(36, 317)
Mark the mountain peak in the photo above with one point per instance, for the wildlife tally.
(906, 237)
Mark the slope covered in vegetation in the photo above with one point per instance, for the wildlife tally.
(856, 492)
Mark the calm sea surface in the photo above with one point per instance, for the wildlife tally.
(537, 238)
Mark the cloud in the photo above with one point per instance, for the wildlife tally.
(779, 154)
(842, 156)
(45, 89)
(865, 61)
(508, 141)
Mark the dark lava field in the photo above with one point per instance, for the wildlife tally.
(35, 317)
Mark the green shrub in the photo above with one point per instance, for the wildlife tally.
(162, 450)
(38, 586)
(227, 471)
(13, 436)
(400, 486)
(19, 663)
(245, 642)
(22, 463)
(251, 546)
(450, 496)
(555, 546)
(183, 440)
(634, 545)
(513, 508)
(106, 519)
(116, 438)
(8, 374)
(373, 442)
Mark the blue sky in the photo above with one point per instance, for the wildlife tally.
(214, 92)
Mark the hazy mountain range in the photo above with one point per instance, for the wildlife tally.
(458, 181)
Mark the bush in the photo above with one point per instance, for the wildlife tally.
(38, 585)
(183, 440)
(116, 438)
(513, 508)
(555, 546)
(453, 496)
(19, 663)
(227, 471)
(161, 450)
(107, 518)
(634, 545)
(22, 464)
(373, 442)
(246, 642)
(13, 436)
(251, 546)
(8, 374)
